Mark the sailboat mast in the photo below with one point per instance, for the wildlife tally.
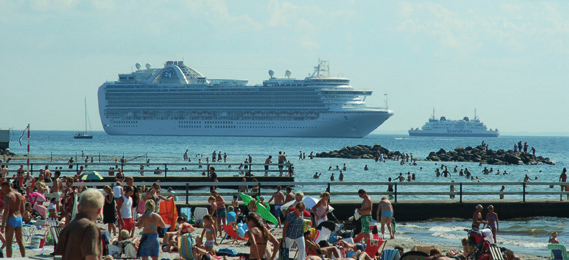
(85, 118)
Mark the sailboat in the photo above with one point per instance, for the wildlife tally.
(84, 135)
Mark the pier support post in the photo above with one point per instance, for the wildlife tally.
(328, 188)
(165, 170)
(395, 192)
(461, 192)
(258, 191)
(524, 192)
(187, 193)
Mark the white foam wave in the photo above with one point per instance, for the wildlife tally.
(520, 243)
(449, 236)
(446, 229)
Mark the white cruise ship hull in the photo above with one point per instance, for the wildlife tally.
(340, 124)
(177, 101)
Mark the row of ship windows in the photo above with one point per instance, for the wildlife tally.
(248, 127)
(125, 122)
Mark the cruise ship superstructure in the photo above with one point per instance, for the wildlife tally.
(178, 100)
(454, 128)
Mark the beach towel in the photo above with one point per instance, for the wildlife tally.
(187, 212)
(169, 213)
(390, 254)
(186, 245)
(199, 212)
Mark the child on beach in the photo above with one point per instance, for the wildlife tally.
(553, 238)
(52, 209)
(209, 232)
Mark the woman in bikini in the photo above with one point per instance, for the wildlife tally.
(149, 243)
(258, 237)
(209, 232)
(477, 217)
(386, 210)
(69, 195)
(321, 208)
(492, 221)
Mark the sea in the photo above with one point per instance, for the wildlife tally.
(526, 236)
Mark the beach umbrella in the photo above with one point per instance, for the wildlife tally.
(309, 202)
(91, 175)
(35, 197)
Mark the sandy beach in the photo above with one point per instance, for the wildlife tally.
(240, 247)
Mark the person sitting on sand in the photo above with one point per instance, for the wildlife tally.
(125, 244)
(321, 248)
(510, 255)
(171, 238)
(553, 238)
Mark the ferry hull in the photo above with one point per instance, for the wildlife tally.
(420, 133)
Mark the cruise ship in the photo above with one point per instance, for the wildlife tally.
(178, 100)
(454, 128)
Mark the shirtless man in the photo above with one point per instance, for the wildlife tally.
(267, 162)
(279, 198)
(281, 161)
(365, 212)
(563, 178)
(57, 188)
(289, 194)
(12, 220)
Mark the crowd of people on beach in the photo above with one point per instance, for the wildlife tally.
(124, 210)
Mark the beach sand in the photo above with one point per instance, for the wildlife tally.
(239, 247)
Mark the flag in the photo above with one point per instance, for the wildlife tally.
(22, 136)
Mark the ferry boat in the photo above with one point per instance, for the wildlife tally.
(178, 100)
(454, 128)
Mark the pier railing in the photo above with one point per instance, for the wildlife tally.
(133, 168)
(193, 191)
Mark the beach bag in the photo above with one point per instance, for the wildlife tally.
(130, 250)
(226, 251)
(186, 244)
(115, 251)
(284, 251)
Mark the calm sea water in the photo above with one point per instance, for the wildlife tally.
(527, 236)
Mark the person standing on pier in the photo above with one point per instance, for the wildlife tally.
(563, 178)
(281, 161)
(267, 162)
(213, 177)
(279, 198)
(365, 212)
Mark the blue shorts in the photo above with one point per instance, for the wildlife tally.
(221, 213)
(15, 222)
(387, 214)
(277, 210)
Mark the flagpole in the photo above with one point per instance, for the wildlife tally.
(28, 164)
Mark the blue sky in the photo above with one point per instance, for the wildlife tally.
(507, 59)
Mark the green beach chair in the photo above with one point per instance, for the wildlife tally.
(558, 252)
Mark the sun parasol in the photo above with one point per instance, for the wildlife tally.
(308, 201)
(91, 175)
(35, 197)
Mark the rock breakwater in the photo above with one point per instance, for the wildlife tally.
(482, 155)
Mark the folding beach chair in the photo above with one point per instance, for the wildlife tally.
(558, 252)
(187, 211)
(231, 232)
(390, 254)
(496, 252)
